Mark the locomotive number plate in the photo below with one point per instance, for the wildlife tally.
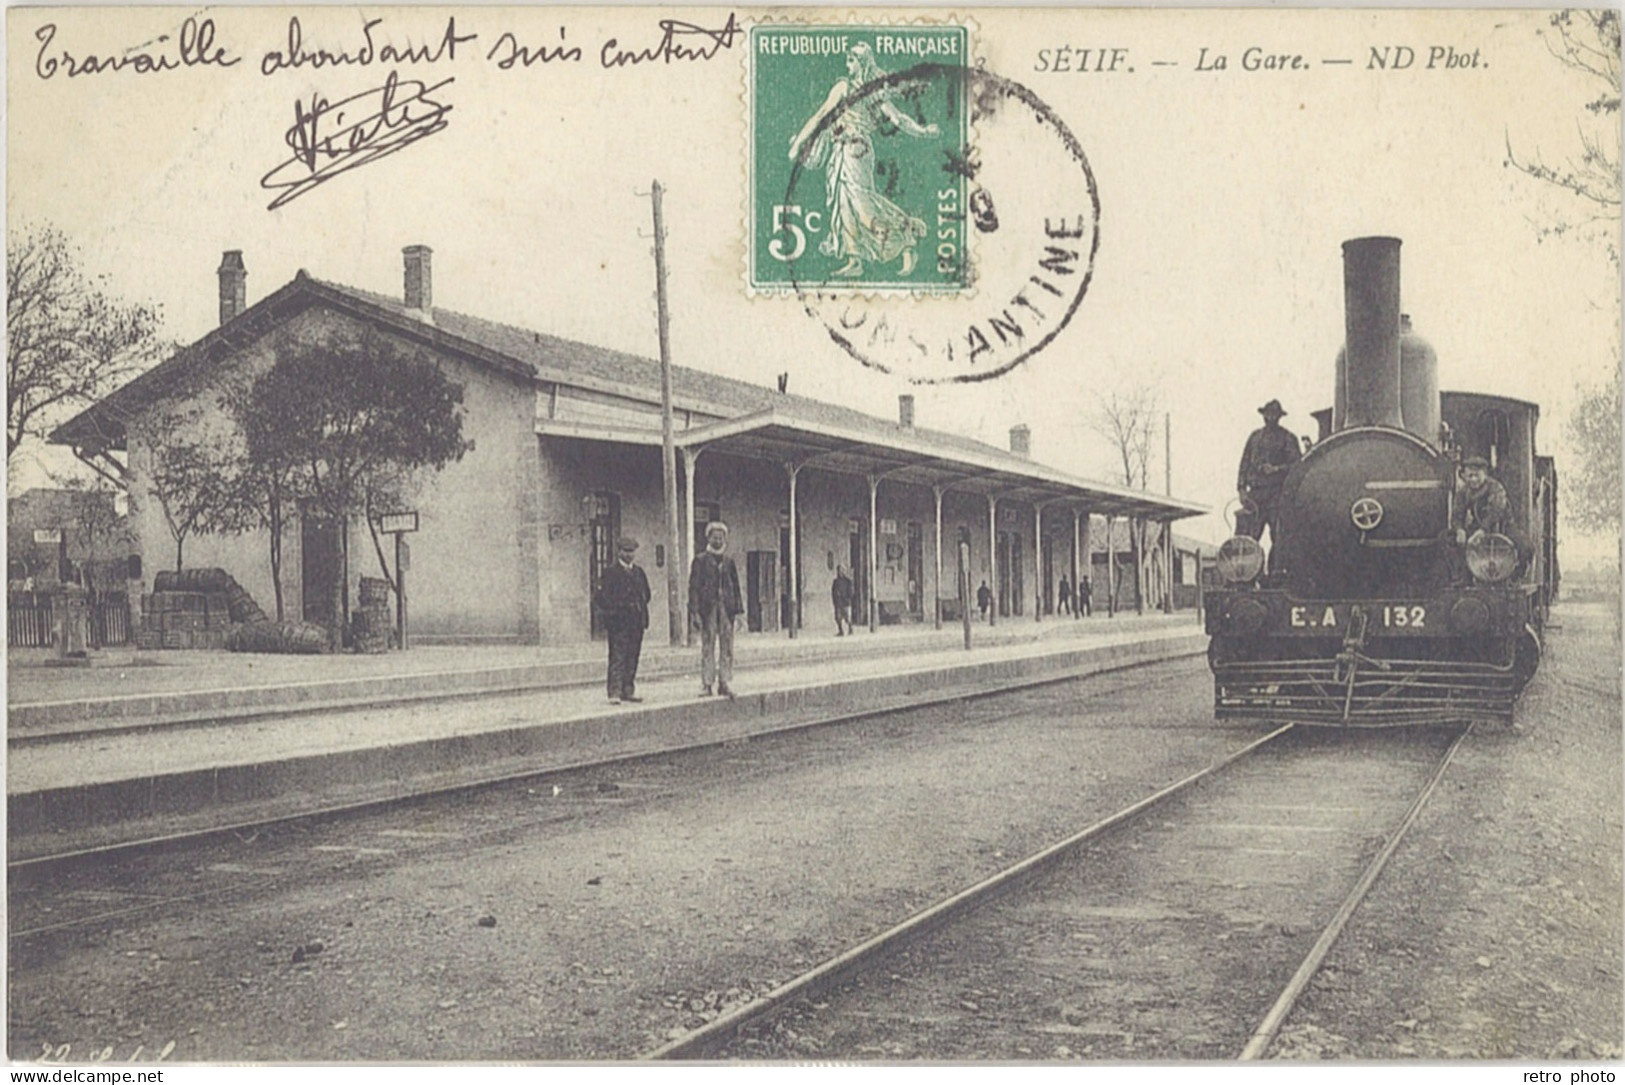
(1386, 618)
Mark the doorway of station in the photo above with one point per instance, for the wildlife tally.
(857, 556)
(1046, 603)
(604, 527)
(1010, 579)
(320, 562)
(916, 572)
(762, 600)
(786, 609)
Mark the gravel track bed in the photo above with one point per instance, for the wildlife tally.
(1496, 932)
(1167, 939)
(595, 920)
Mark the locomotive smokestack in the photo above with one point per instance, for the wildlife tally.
(1370, 383)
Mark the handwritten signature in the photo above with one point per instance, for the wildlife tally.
(330, 138)
(672, 46)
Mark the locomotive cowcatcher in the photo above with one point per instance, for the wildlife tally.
(1381, 605)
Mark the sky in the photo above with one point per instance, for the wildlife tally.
(1224, 198)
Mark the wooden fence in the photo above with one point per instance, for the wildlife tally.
(30, 621)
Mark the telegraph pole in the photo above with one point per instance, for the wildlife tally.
(668, 447)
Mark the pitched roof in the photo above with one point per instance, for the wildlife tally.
(526, 356)
(550, 357)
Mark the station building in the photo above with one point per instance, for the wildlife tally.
(567, 459)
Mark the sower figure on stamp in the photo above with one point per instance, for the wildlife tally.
(840, 593)
(713, 604)
(863, 224)
(1270, 453)
(623, 601)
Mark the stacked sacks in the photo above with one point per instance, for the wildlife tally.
(287, 638)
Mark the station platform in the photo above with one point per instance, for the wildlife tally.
(142, 744)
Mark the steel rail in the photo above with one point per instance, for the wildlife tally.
(1265, 1033)
(46, 863)
(720, 1030)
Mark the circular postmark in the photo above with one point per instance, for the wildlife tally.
(1005, 226)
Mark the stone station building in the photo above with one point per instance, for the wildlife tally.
(567, 458)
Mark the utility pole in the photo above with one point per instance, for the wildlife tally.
(668, 446)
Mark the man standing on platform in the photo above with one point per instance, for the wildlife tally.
(623, 601)
(840, 593)
(713, 604)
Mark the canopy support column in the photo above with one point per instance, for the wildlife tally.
(1168, 566)
(690, 458)
(1077, 585)
(1111, 568)
(936, 556)
(993, 557)
(793, 574)
(1038, 561)
(874, 563)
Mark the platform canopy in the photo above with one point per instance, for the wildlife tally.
(893, 453)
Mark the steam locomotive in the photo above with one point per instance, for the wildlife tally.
(1375, 609)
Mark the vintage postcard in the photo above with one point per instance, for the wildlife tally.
(885, 535)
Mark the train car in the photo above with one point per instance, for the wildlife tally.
(1377, 608)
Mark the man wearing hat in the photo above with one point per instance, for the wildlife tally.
(1483, 504)
(713, 604)
(1270, 453)
(623, 602)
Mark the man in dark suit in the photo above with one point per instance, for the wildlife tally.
(623, 601)
(713, 604)
(840, 593)
(1270, 453)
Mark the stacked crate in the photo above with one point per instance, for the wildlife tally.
(372, 624)
(184, 619)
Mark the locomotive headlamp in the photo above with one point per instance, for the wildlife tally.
(1491, 557)
(1240, 559)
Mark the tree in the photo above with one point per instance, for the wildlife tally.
(360, 412)
(188, 475)
(68, 342)
(261, 479)
(1594, 481)
(1588, 42)
(1128, 421)
(95, 525)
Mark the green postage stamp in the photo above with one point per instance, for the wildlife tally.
(858, 141)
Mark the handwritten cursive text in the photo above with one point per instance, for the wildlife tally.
(195, 46)
(368, 52)
(674, 44)
(330, 138)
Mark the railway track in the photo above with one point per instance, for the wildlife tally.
(84, 887)
(1186, 925)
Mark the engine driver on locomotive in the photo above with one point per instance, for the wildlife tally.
(1270, 453)
(1483, 504)
(1482, 508)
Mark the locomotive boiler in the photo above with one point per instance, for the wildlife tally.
(1378, 606)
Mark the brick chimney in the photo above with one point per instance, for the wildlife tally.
(419, 280)
(233, 284)
(1021, 440)
(905, 411)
